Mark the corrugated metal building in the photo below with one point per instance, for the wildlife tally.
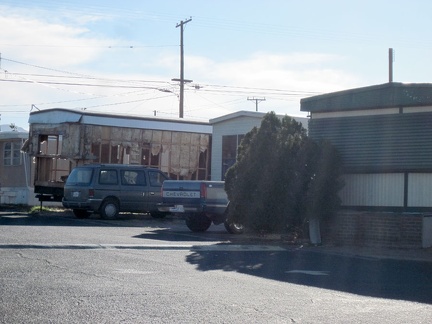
(384, 136)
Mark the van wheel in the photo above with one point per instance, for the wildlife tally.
(109, 209)
(198, 222)
(233, 228)
(81, 213)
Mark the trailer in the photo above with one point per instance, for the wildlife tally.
(61, 139)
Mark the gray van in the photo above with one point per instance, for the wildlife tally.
(108, 189)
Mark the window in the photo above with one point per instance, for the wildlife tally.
(133, 178)
(108, 177)
(12, 154)
(107, 153)
(230, 144)
(80, 176)
(156, 178)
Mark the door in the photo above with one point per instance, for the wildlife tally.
(156, 179)
(134, 187)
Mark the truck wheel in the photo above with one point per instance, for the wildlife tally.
(158, 214)
(198, 223)
(81, 213)
(233, 228)
(109, 209)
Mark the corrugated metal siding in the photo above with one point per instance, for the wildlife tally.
(373, 143)
(420, 190)
(391, 94)
(377, 190)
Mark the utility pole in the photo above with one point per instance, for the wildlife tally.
(257, 100)
(182, 80)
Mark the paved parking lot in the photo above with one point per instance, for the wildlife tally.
(128, 219)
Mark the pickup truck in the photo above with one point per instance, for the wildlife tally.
(200, 202)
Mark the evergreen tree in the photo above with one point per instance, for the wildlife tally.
(281, 177)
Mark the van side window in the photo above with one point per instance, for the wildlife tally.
(156, 178)
(133, 178)
(108, 177)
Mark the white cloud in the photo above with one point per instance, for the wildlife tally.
(40, 42)
(74, 47)
(293, 71)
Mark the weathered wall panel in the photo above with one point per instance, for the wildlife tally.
(147, 135)
(177, 152)
(71, 141)
(175, 159)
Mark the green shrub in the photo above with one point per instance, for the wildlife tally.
(282, 178)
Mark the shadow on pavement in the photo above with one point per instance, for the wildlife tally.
(373, 277)
(390, 279)
(67, 218)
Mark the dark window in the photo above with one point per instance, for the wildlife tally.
(104, 153)
(145, 155)
(154, 160)
(115, 154)
(230, 144)
(107, 153)
(108, 177)
(80, 176)
(156, 178)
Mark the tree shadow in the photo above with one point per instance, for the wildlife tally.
(380, 278)
(390, 279)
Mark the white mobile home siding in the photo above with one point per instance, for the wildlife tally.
(238, 123)
(236, 126)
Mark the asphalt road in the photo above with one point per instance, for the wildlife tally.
(59, 269)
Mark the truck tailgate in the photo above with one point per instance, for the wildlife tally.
(179, 192)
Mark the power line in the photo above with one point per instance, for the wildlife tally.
(88, 46)
(83, 84)
(67, 78)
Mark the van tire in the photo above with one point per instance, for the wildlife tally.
(198, 222)
(109, 209)
(233, 228)
(81, 213)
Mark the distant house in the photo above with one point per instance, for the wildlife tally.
(14, 167)
(228, 131)
(384, 136)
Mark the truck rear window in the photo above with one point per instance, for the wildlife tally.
(81, 176)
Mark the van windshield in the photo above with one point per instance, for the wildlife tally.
(80, 176)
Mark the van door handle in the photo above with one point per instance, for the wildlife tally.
(152, 193)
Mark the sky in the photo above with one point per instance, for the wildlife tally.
(121, 56)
